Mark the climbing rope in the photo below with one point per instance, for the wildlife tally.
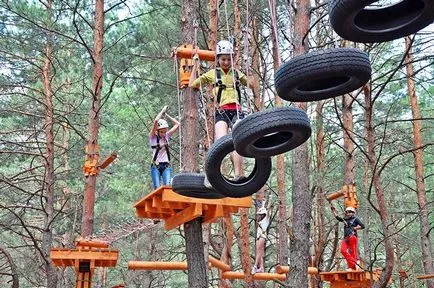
(202, 97)
(178, 92)
(231, 55)
(246, 53)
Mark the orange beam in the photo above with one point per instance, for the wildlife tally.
(108, 160)
(187, 52)
(170, 196)
(285, 270)
(183, 216)
(149, 265)
(67, 257)
(335, 195)
(212, 213)
(257, 276)
(92, 243)
(218, 264)
(429, 276)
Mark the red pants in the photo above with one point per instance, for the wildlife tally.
(349, 251)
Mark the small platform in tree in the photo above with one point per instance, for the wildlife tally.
(350, 279)
(87, 255)
(176, 209)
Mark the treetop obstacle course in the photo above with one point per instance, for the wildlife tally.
(315, 76)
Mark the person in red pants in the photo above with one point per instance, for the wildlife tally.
(349, 243)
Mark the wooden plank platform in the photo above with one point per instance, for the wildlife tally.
(350, 279)
(68, 257)
(176, 209)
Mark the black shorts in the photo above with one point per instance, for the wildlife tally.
(228, 116)
(161, 166)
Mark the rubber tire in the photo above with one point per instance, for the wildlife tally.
(352, 22)
(322, 74)
(243, 188)
(271, 132)
(192, 185)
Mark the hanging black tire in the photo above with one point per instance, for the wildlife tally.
(236, 189)
(322, 74)
(192, 185)
(271, 132)
(352, 21)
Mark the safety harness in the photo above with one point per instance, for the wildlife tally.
(221, 86)
(158, 148)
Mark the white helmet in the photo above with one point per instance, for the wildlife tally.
(352, 209)
(162, 124)
(262, 210)
(224, 47)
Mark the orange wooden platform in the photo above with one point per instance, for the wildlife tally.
(350, 279)
(176, 209)
(87, 255)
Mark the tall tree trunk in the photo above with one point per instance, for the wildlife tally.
(94, 116)
(382, 207)
(226, 252)
(254, 51)
(418, 161)
(350, 163)
(212, 43)
(237, 33)
(245, 248)
(47, 235)
(320, 192)
(301, 197)
(280, 159)
(197, 270)
(367, 216)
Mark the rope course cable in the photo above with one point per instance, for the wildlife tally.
(231, 55)
(202, 97)
(178, 92)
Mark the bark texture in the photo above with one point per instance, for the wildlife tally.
(94, 116)
(418, 161)
(301, 197)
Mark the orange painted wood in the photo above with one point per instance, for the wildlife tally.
(212, 213)
(184, 216)
(71, 257)
(92, 243)
(257, 276)
(156, 265)
(108, 160)
(83, 280)
(170, 196)
(428, 276)
(165, 204)
(335, 195)
(187, 51)
(285, 270)
(218, 264)
(347, 279)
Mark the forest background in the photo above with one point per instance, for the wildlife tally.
(46, 68)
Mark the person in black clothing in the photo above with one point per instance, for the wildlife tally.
(349, 243)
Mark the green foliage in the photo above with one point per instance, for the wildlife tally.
(139, 79)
